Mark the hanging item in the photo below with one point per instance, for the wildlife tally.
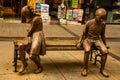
(74, 3)
(45, 13)
(40, 1)
(62, 10)
(32, 3)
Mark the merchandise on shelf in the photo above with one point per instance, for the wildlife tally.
(63, 21)
(69, 15)
(73, 22)
(43, 9)
(75, 13)
(80, 15)
(38, 6)
(46, 19)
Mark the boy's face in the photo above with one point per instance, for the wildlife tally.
(100, 18)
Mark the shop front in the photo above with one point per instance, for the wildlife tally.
(72, 11)
(11, 8)
(65, 11)
(75, 11)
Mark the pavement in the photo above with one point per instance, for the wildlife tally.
(53, 32)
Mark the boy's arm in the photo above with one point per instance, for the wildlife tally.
(82, 38)
(85, 30)
(103, 34)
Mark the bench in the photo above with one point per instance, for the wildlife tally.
(56, 44)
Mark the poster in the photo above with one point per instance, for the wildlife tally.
(75, 13)
(69, 15)
(74, 3)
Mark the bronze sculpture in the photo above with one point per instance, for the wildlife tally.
(94, 34)
(34, 43)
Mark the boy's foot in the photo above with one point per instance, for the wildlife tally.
(104, 73)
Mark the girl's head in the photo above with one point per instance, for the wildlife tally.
(27, 11)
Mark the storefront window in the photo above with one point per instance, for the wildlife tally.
(112, 7)
(115, 13)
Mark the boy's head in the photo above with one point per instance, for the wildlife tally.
(100, 14)
(27, 11)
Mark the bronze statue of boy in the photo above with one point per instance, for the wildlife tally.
(94, 34)
(34, 43)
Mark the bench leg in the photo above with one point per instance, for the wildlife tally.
(15, 60)
(91, 55)
(96, 59)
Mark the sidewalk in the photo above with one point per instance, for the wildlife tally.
(17, 30)
(58, 65)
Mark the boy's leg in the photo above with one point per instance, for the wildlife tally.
(87, 48)
(103, 62)
(86, 58)
(104, 52)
